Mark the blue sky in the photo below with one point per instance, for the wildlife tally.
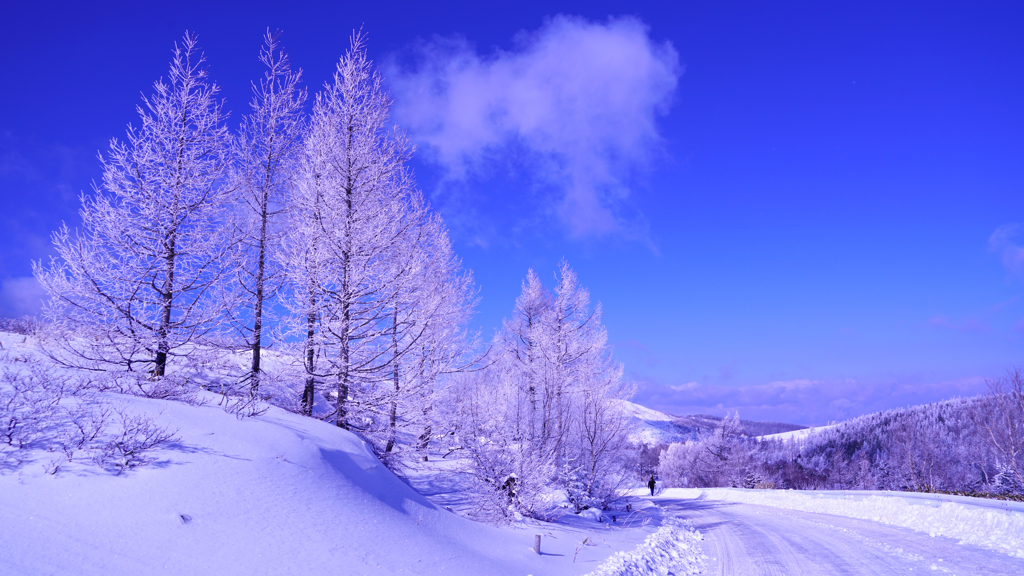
(803, 211)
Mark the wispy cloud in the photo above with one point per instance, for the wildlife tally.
(1004, 242)
(969, 324)
(577, 101)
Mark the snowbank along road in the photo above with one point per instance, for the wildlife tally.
(747, 539)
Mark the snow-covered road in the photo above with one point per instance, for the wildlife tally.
(746, 539)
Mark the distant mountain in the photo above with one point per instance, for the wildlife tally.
(653, 427)
(700, 422)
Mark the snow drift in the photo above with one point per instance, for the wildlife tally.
(273, 494)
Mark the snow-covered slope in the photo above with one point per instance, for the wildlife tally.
(276, 493)
(652, 427)
(796, 434)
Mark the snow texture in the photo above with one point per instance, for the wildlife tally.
(652, 427)
(276, 493)
(990, 524)
(674, 549)
(796, 434)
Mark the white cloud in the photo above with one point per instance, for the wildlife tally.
(576, 100)
(684, 387)
(790, 385)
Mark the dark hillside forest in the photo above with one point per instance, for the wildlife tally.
(967, 445)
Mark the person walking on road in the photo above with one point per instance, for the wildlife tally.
(650, 484)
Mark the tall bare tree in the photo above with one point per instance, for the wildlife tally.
(350, 218)
(268, 148)
(134, 284)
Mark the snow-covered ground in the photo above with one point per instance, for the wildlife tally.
(280, 493)
(991, 524)
(277, 493)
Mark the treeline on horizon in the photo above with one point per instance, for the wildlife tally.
(972, 446)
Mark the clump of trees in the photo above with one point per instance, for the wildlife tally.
(299, 246)
(544, 414)
(300, 233)
(968, 445)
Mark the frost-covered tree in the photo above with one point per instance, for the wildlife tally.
(525, 337)
(549, 416)
(718, 458)
(583, 427)
(349, 221)
(268, 149)
(133, 286)
(1004, 427)
(430, 339)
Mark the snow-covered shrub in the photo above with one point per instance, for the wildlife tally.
(47, 416)
(577, 491)
(133, 442)
(82, 432)
(29, 406)
(25, 325)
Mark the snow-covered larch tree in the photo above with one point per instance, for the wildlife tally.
(349, 219)
(430, 336)
(268, 148)
(549, 410)
(132, 287)
(585, 429)
(525, 337)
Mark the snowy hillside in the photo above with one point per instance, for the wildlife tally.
(276, 493)
(800, 434)
(652, 427)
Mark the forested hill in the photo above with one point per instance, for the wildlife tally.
(959, 445)
(654, 427)
(697, 423)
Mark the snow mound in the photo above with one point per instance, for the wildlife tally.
(995, 526)
(273, 494)
(674, 549)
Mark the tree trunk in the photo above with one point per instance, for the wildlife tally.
(344, 373)
(394, 376)
(167, 295)
(257, 330)
(307, 393)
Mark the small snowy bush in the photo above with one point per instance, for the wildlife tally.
(133, 445)
(47, 417)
